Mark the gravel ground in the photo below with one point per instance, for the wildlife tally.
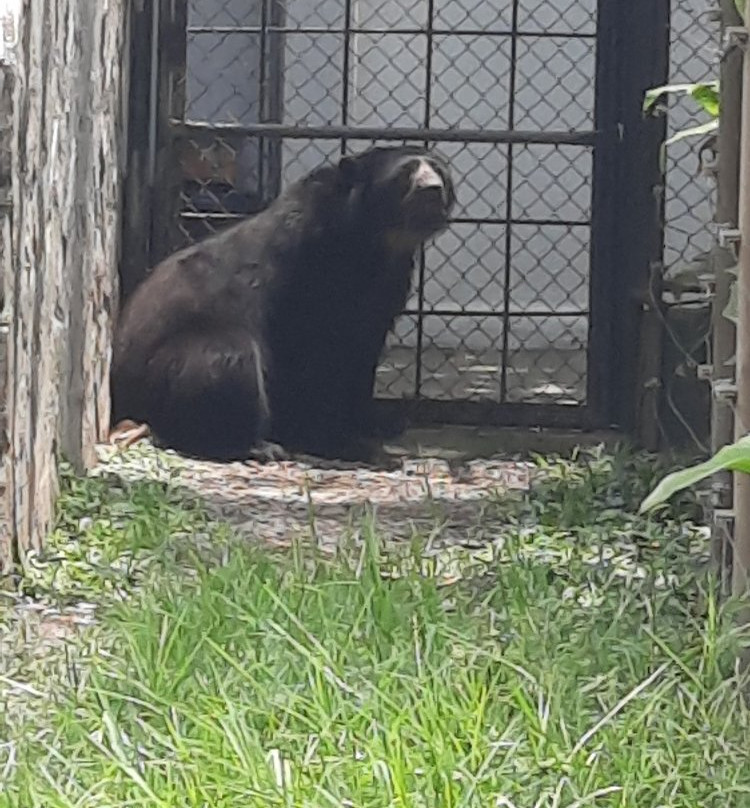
(277, 502)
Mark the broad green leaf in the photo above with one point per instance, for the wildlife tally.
(735, 457)
(707, 95)
(740, 7)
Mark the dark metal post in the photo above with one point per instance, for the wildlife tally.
(646, 37)
(602, 374)
(638, 231)
(172, 65)
(137, 188)
(509, 202)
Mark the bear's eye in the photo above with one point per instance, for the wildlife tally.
(400, 177)
(408, 172)
(438, 169)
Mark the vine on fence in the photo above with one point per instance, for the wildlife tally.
(706, 94)
(734, 457)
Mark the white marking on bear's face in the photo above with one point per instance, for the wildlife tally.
(425, 176)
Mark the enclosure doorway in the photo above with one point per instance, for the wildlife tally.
(517, 315)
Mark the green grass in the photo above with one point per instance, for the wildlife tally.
(580, 660)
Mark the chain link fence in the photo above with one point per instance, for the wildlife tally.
(501, 304)
(501, 308)
(689, 210)
(690, 197)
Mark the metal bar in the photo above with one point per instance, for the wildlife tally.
(196, 215)
(428, 412)
(411, 31)
(345, 70)
(276, 49)
(291, 131)
(170, 105)
(489, 314)
(422, 261)
(724, 334)
(509, 202)
(141, 145)
(262, 91)
(603, 260)
(153, 92)
(643, 29)
(648, 218)
(568, 224)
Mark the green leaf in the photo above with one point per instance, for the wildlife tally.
(655, 94)
(707, 95)
(735, 457)
(740, 7)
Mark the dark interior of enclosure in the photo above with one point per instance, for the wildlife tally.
(511, 317)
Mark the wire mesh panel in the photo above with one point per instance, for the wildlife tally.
(684, 414)
(500, 309)
(689, 196)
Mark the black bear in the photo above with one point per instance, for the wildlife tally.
(272, 329)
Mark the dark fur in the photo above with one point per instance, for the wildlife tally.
(306, 289)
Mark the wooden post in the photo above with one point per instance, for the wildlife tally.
(723, 331)
(59, 250)
(6, 282)
(741, 566)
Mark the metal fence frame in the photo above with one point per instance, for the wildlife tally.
(627, 224)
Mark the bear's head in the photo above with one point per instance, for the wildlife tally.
(405, 193)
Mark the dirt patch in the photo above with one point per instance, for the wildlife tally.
(278, 502)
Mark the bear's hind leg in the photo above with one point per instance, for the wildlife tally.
(211, 400)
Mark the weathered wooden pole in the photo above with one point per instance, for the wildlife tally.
(724, 335)
(741, 566)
